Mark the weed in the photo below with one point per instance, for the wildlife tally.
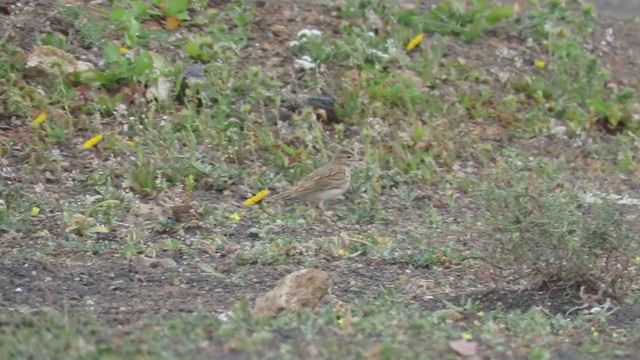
(547, 235)
(467, 19)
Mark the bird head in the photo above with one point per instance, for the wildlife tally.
(344, 157)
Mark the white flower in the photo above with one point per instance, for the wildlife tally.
(305, 63)
(308, 33)
(378, 53)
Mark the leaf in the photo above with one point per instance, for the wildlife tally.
(601, 107)
(172, 22)
(111, 52)
(118, 15)
(499, 13)
(97, 229)
(143, 64)
(93, 141)
(139, 9)
(175, 7)
(474, 30)
(192, 49)
(415, 42)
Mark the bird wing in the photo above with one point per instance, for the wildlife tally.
(322, 179)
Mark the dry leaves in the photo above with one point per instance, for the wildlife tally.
(171, 23)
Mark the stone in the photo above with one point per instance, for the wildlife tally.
(464, 348)
(145, 262)
(298, 290)
(47, 63)
(160, 91)
(279, 30)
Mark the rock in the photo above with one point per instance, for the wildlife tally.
(193, 77)
(143, 262)
(323, 106)
(559, 130)
(298, 290)
(289, 15)
(149, 209)
(47, 63)
(464, 348)
(279, 30)
(161, 91)
(375, 21)
(184, 212)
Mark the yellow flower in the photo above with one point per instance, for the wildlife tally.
(540, 64)
(40, 118)
(596, 334)
(257, 197)
(466, 336)
(93, 141)
(342, 252)
(415, 41)
(123, 51)
(480, 313)
(35, 211)
(234, 217)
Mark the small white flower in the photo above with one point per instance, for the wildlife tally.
(308, 33)
(305, 63)
(378, 53)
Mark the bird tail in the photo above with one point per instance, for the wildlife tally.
(278, 197)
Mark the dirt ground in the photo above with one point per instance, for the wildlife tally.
(119, 292)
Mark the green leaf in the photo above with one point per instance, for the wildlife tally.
(192, 49)
(474, 30)
(601, 107)
(176, 7)
(143, 64)
(499, 13)
(112, 52)
(139, 9)
(118, 15)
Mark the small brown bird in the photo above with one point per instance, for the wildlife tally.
(326, 183)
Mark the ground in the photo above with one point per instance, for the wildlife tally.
(407, 246)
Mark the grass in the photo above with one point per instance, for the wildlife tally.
(387, 327)
(451, 198)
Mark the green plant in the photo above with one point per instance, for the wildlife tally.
(467, 19)
(123, 69)
(204, 49)
(84, 224)
(260, 254)
(539, 231)
(174, 245)
(56, 40)
(127, 15)
(144, 178)
(90, 33)
(314, 45)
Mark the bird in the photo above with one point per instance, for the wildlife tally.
(326, 183)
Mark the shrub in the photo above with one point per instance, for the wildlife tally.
(547, 235)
